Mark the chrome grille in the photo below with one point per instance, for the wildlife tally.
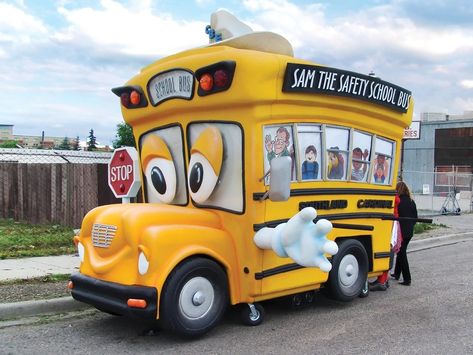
(102, 235)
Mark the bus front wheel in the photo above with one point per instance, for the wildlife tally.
(195, 297)
(349, 271)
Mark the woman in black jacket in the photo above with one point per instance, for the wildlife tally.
(406, 208)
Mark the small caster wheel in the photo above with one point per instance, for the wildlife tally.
(252, 314)
(309, 297)
(365, 291)
(297, 301)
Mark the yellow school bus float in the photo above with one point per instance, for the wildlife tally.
(263, 176)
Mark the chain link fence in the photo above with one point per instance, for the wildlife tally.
(58, 186)
(52, 186)
(448, 190)
(40, 156)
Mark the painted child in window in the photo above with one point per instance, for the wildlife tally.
(359, 169)
(310, 168)
(380, 169)
(379, 175)
(335, 164)
(278, 147)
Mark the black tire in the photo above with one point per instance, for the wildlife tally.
(349, 271)
(194, 298)
(365, 291)
(247, 318)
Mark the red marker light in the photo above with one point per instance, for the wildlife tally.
(135, 97)
(136, 303)
(206, 82)
(125, 99)
(220, 78)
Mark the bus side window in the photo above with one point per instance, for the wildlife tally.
(278, 142)
(361, 158)
(310, 151)
(337, 142)
(381, 169)
(382, 163)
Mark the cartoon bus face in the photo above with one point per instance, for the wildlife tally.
(211, 178)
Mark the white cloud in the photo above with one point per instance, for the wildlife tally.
(17, 26)
(67, 72)
(425, 58)
(379, 29)
(205, 2)
(467, 84)
(136, 31)
(462, 104)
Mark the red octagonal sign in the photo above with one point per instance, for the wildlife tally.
(124, 172)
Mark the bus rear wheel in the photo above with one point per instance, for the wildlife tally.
(349, 271)
(195, 297)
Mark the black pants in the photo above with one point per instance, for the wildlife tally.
(402, 265)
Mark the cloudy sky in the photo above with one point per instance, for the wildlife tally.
(60, 58)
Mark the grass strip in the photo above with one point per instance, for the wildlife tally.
(19, 239)
(424, 227)
(41, 279)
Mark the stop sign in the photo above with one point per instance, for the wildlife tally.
(124, 172)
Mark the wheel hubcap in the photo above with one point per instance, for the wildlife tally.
(349, 270)
(196, 298)
(254, 313)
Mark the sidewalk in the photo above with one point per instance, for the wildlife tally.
(459, 228)
(25, 268)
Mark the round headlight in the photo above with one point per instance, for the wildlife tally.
(81, 250)
(143, 264)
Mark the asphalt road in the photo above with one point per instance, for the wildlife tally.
(432, 316)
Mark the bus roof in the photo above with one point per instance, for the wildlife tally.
(267, 78)
(261, 70)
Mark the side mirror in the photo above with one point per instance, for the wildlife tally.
(280, 179)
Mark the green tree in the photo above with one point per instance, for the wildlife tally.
(124, 136)
(65, 145)
(76, 145)
(91, 141)
(9, 144)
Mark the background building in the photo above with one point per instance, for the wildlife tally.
(440, 163)
(44, 142)
(6, 132)
(40, 142)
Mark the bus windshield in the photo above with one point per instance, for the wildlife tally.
(213, 178)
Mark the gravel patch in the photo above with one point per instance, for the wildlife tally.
(28, 290)
(438, 232)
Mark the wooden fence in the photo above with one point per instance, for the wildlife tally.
(52, 193)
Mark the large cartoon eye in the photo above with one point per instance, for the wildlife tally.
(202, 178)
(161, 176)
(159, 170)
(205, 164)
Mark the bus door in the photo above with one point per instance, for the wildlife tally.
(283, 273)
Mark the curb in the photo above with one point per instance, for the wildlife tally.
(434, 242)
(68, 304)
(34, 308)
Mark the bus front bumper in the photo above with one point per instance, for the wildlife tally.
(111, 297)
